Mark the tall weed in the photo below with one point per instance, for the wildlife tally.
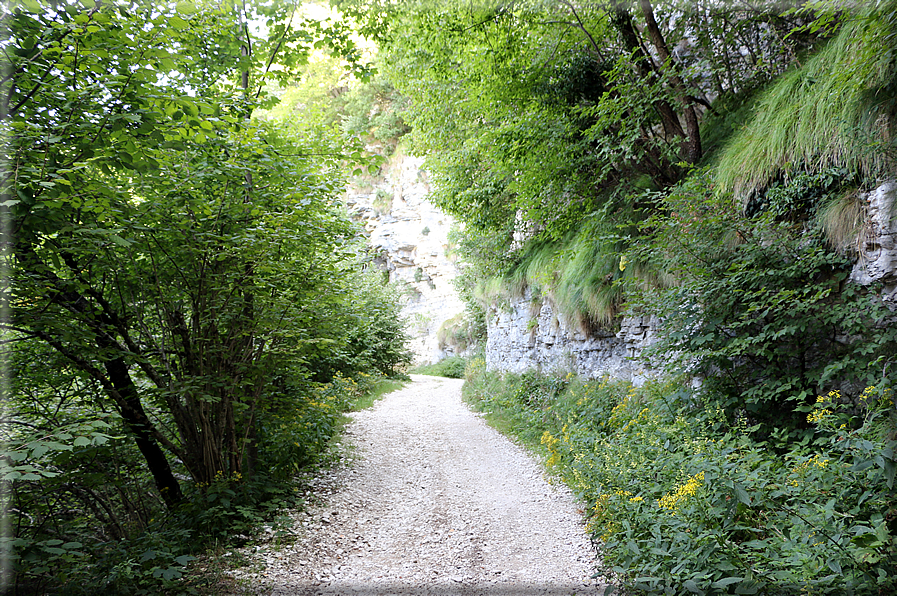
(681, 501)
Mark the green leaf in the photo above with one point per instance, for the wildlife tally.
(748, 587)
(32, 6)
(172, 573)
(185, 8)
(728, 581)
(120, 241)
(862, 465)
(834, 564)
(21, 455)
(178, 23)
(742, 495)
(890, 472)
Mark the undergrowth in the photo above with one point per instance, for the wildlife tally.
(681, 501)
(451, 367)
(179, 552)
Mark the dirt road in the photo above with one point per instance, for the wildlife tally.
(434, 502)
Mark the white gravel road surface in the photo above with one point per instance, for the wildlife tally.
(434, 502)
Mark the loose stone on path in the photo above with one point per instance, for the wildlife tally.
(435, 503)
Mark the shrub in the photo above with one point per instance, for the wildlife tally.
(678, 507)
(102, 532)
(461, 331)
(763, 309)
(451, 367)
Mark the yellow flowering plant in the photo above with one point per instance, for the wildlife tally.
(680, 502)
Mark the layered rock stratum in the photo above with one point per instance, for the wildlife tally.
(410, 236)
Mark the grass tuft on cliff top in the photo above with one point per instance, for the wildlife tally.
(839, 110)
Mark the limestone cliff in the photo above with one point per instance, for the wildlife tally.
(877, 261)
(529, 333)
(411, 236)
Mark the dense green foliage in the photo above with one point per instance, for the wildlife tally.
(188, 318)
(546, 123)
(564, 149)
(762, 310)
(187, 306)
(452, 367)
(87, 519)
(684, 502)
(545, 111)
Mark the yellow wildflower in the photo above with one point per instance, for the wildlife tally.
(801, 469)
(817, 416)
(673, 500)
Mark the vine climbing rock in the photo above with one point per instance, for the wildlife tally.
(433, 502)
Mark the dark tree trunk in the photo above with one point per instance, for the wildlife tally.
(691, 146)
(623, 23)
(140, 425)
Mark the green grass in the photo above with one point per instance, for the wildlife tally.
(842, 219)
(381, 387)
(580, 274)
(835, 111)
(452, 368)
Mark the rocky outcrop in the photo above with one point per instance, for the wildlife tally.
(877, 262)
(529, 333)
(410, 236)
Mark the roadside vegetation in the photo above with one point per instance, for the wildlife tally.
(451, 367)
(681, 500)
(187, 312)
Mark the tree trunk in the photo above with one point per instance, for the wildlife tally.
(691, 146)
(139, 424)
(623, 22)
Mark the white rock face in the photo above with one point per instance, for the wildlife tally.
(528, 334)
(877, 261)
(412, 235)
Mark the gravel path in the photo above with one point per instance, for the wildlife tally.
(435, 502)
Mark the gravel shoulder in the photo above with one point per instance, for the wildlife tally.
(433, 501)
